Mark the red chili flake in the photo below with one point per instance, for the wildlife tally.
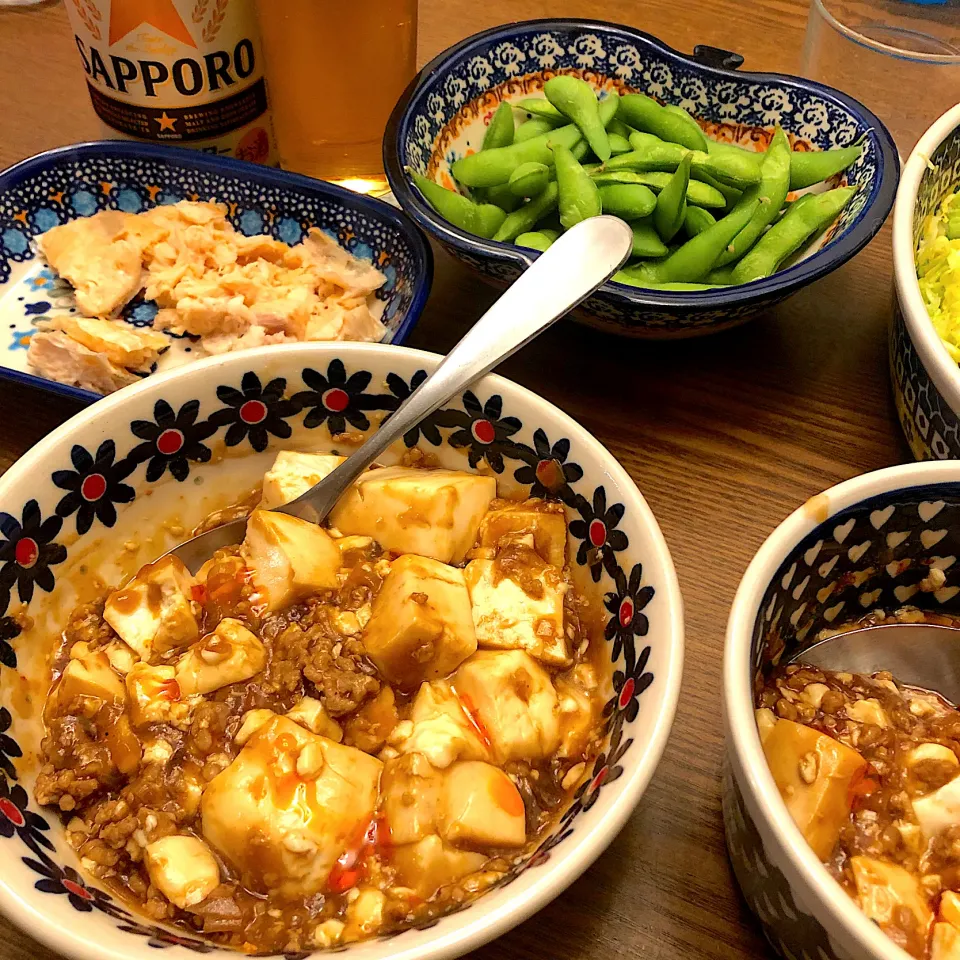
(198, 592)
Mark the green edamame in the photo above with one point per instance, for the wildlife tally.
(806, 217)
(646, 240)
(772, 192)
(699, 194)
(672, 202)
(644, 113)
(526, 218)
(543, 109)
(618, 144)
(693, 261)
(629, 201)
(722, 276)
(696, 220)
(579, 198)
(717, 148)
(534, 240)
(500, 132)
(492, 167)
(652, 153)
(529, 179)
(483, 219)
(549, 232)
(617, 127)
(631, 281)
(532, 128)
(812, 166)
(607, 108)
(576, 99)
(500, 195)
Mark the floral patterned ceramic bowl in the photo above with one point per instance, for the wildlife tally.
(443, 114)
(150, 462)
(862, 545)
(61, 185)
(926, 379)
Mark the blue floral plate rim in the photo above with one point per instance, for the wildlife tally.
(397, 218)
(839, 251)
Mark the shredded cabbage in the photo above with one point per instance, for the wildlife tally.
(938, 272)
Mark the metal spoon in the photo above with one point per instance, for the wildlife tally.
(560, 278)
(923, 655)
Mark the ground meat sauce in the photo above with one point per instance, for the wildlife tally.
(880, 811)
(124, 781)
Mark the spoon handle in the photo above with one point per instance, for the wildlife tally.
(560, 278)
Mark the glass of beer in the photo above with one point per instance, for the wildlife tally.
(335, 69)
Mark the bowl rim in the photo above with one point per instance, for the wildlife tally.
(742, 738)
(939, 365)
(465, 934)
(397, 219)
(779, 284)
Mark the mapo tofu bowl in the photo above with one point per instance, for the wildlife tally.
(837, 788)
(325, 737)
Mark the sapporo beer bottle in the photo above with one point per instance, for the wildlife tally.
(182, 72)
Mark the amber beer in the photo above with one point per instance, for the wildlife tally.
(183, 72)
(335, 69)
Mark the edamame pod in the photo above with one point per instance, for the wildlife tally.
(630, 201)
(719, 148)
(644, 113)
(543, 109)
(579, 198)
(652, 153)
(500, 132)
(808, 167)
(500, 195)
(699, 194)
(618, 127)
(696, 220)
(532, 128)
(492, 167)
(534, 240)
(529, 179)
(608, 108)
(807, 216)
(646, 240)
(526, 218)
(772, 192)
(482, 219)
(576, 99)
(672, 202)
(618, 144)
(631, 281)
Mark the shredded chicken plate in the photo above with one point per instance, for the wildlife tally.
(209, 281)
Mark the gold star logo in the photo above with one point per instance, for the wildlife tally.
(166, 123)
(127, 15)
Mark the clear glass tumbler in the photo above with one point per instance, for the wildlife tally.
(899, 58)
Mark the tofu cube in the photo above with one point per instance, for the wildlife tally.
(517, 603)
(91, 676)
(939, 809)
(481, 808)
(289, 806)
(312, 714)
(441, 729)
(230, 654)
(293, 474)
(154, 612)
(513, 702)
(122, 657)
(151, 693)
(183, 869)
(364, 914)
(430, 864)
(945, 943)
(510, 521)
(813, 773)
(432, 513)
(886, 891)
(421, 627)
(410, 796)
(579, 713)
(290, 558)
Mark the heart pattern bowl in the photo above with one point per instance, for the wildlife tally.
(443, 114)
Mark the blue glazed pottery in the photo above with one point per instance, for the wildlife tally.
(444, 112)
(62, 185)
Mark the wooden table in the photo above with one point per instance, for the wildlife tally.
(724, 436)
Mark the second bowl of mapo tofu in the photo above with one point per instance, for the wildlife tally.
(332, 733)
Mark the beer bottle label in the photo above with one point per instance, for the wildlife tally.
(182, 72)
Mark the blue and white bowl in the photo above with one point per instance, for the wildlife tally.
(180, 445)
(926, 379)
(443, 114)
(62, 185)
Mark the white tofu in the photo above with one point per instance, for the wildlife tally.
(312, 714)
(432, 513)
(544, 521)
(290, 558)
(945, 942)
(293, 474)
(441, 730)
(151, 693)
(766, 721)
(122, 657)
(884, 889)
(230, 654)
(420, 626)
(91, 676)
(364, 914)
(939, 809)
(950, 908)
(514, 702)
(251, 722)
(517, 603)
(183, 869)
(430, 864)
(410, 791)
(289, 806)
(481, 807)
(154, 612)
(868, 711)
(578, 715)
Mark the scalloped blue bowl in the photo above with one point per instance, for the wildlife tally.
(443, 113)
(64, 184)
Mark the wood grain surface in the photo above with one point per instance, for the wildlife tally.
(724, 436)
